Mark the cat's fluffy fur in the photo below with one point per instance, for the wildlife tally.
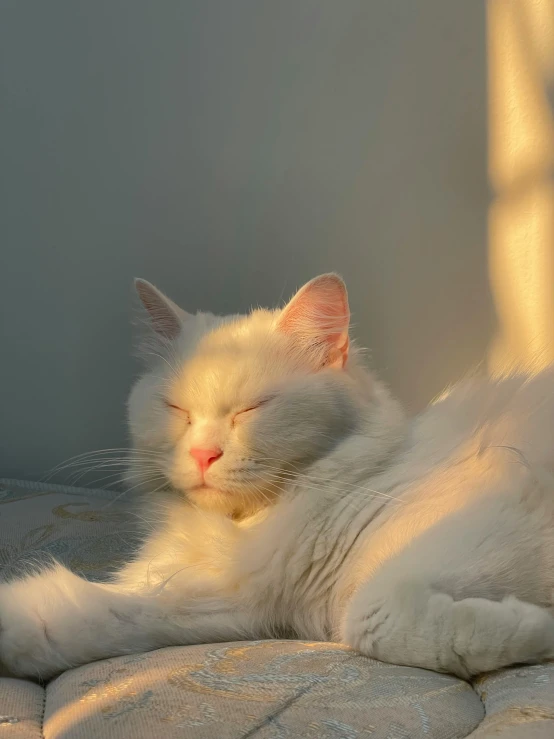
(327, 515)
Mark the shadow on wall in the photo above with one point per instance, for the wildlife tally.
(521, 162)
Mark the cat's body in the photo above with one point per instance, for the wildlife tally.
(297, 501)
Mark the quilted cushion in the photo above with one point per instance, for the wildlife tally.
(21, 709)
(90, 531)
(268, 689)
(257, 689)
(519, 703)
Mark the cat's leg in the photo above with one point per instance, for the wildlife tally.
(411, 624)
(56, 620)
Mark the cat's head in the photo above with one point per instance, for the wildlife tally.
(231, 409)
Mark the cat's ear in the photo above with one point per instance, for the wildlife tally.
(319, 316)
(166, 318)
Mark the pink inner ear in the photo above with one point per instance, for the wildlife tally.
(319, 315)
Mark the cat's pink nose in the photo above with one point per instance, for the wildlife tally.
(205, 457)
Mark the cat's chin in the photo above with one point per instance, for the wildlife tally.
(213, 499)
(227, 503)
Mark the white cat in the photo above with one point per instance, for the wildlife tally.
(295, 500)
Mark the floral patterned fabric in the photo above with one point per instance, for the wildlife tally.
(266, 689)
(90, 531)
(519, 703)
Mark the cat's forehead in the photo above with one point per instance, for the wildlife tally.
(236, 361)
(240, 330)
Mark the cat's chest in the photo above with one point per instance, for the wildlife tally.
(290, 558)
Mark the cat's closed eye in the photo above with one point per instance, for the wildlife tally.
(242, 414)
(246, 412)
(178, 409)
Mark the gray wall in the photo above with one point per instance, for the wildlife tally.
(228, 151)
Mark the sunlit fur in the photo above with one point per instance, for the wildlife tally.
(225, 366)
(328, 515)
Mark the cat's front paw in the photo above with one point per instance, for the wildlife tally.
(26, 646)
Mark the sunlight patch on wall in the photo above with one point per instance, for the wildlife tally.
(521, 160)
